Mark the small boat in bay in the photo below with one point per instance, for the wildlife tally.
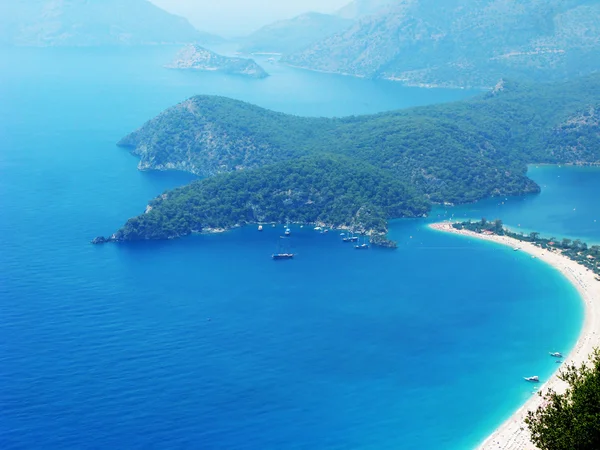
(533, 379)
(362, 246)
(350, 238)
(556, 354)
(260, 228)
(282, 255)
(283, 251)
(287, 232)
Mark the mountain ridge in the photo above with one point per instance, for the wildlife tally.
(464, 43)
(286, 36)
(48, 23)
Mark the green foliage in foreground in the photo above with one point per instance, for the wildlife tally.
(336, 191)
(578, 251)
(570, 421)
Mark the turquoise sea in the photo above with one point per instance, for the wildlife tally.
(206, 342)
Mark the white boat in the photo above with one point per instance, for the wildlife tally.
(317, 228)
(516, 249)
(533, 379)
(287, 232)
(260, 228)
(556, 354)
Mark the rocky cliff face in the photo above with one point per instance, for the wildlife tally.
(195, 57)
(468, 43)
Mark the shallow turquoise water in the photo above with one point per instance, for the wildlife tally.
(206, 342)
(567, 206)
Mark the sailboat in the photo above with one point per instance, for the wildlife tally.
(287, 230)
(350, 238)
(282, 253)
(362, 246)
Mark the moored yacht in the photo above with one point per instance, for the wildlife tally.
(282, 255)
(534, 379)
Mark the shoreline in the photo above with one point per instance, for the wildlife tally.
(513, 434)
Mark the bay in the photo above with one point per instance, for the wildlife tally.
(206, 342)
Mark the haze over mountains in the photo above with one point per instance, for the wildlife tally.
(464, 42)
(287, 36)
(88, 23)
(361, 8)
(295, 34)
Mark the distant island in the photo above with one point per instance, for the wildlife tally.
(356, 172)
(194, 57)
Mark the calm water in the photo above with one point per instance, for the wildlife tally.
(207, 343)
(567, 206)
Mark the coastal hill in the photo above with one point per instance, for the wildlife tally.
(325, 189)
(45, 23)
(464, 43)
(457, 152)
(291, 35)
(194, 57)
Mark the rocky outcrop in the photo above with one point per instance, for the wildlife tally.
(194, 57)
(381, 240)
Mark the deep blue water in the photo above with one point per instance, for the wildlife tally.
(206, 342)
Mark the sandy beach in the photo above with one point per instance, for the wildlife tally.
(513, 434)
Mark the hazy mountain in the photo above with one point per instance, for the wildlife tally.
(89, 23)
(465, 42)
(361, 8)
(286, 36)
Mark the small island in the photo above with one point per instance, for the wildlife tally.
(194, 57)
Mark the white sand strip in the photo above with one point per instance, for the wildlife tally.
(513, 434)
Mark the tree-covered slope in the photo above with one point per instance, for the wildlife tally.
(465, 42)
(457, 152)
(356, 172)
(208, 135)
(334, 191)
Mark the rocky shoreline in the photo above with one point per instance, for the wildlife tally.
(377, 239)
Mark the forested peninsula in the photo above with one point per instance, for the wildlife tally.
(356, 172)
